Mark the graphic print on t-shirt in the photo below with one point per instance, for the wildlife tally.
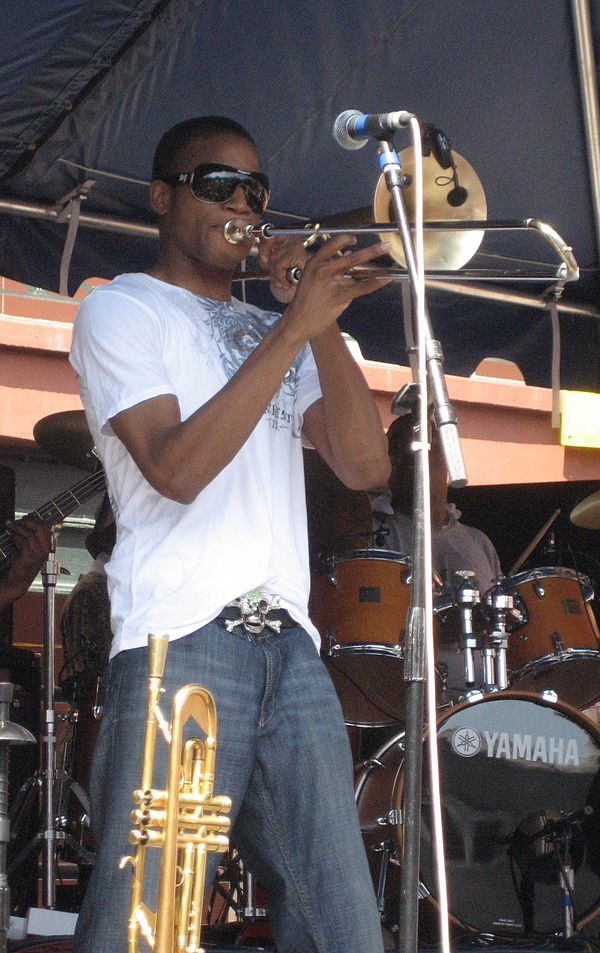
(236, 332)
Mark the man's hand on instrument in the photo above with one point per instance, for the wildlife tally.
(327, 285)
(278, 256)
(33, 540)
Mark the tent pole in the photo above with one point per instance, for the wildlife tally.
(589, 96)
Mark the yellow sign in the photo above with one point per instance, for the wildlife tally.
(580, 419)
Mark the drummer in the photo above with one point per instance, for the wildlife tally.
(456, 546)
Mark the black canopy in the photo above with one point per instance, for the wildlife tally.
(87, 88)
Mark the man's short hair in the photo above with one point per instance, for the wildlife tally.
(176, 139)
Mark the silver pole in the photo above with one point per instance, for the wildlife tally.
(589, 95)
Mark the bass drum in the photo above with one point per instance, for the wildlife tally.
(511, 766)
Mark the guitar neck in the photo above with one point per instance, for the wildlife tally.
(55, 510)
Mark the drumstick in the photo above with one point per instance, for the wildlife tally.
(527, 552)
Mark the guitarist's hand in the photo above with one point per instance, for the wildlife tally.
(33, 542)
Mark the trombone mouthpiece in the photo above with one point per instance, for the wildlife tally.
(234, 234)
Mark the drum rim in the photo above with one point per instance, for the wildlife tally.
(389, 649)
(543, 572)
(385, 555)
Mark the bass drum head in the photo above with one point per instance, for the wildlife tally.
(513, 766)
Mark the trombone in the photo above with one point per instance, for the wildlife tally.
(453, 234)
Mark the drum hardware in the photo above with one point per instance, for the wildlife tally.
(392, 817)
(551, 836)
(475, 695)
(467, 595)
(386, 849)
(251, 910)
(495, 670)
(50, 780)
(557, 643)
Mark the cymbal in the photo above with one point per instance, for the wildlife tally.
(443, 250)
(66, 436)
(587, 512)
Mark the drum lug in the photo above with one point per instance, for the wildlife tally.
(473, 696)
(392, 818)
(372, 763)
(538, 588)
(557, 643)
(332, 640)
(550, 696)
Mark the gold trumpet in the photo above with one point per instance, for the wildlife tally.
(185, 820)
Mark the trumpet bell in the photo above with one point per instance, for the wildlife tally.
(447, 251)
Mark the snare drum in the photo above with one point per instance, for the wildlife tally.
(554, 640)
(509, 764)
(359, 607)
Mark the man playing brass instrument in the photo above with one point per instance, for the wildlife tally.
(197, 404)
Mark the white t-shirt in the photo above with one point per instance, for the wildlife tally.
(175, 566)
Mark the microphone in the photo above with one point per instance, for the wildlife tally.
(436, 141)
(352, 128)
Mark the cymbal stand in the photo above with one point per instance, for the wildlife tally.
(419, 641)
(50, 573)
(45, 778)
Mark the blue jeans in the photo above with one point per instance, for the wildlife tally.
(283, 757)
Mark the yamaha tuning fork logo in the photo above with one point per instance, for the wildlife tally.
(515, 746)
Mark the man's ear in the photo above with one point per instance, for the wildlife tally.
(160, 195)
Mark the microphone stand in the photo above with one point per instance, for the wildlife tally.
(419, 628)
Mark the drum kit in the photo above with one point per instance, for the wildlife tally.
(519, 755)
(519, 748)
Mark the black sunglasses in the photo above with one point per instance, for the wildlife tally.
(214, 182)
